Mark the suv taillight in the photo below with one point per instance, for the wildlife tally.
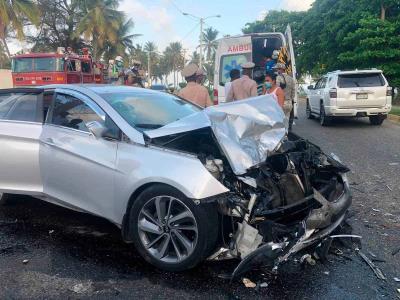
(333, 93)
(215, 96)
(389, 91)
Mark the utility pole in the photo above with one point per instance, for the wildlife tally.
(148, 68)
(201, 19)
(201, 43)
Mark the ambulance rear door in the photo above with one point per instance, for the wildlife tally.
(292, 64)
(232, 53)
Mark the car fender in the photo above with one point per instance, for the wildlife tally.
(138, 166)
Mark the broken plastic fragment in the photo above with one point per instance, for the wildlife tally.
(248, 283)
(25, 261)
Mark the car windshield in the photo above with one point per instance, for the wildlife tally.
(360, 80)
(149, 110)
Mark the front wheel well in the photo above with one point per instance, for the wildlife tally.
(125, 221)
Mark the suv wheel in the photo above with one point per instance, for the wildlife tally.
(170, 231)
(323, 119)
(308, 111)
(376, 120)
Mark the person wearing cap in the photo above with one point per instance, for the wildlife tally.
(288, 85)
(201, 76)
(244, 87)
(193, 91)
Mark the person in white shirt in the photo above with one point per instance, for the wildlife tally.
(234, 74)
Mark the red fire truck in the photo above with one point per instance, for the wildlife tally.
(60, 67)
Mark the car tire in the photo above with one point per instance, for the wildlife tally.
(376, 120)
(308, 111)
(176, 235)
(323, 119)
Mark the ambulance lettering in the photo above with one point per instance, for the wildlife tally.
(240, 48)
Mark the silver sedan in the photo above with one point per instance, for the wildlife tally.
(184, 184)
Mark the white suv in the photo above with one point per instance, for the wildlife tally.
(359, 93)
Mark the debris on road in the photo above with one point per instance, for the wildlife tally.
(306, 258)
(393, 164)
(376, 210)
(248, 283)
(51, 231)
(326, 272)
(395, 251)
(82, 288)
(396, 279)
(263, 285)
(389, 188)
(25, 261)
(374, 268)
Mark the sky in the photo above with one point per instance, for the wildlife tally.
(162, 21)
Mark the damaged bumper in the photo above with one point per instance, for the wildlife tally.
(320, 224)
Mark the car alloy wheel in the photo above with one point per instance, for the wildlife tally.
(167, 229)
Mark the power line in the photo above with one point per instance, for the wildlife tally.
(193, 29)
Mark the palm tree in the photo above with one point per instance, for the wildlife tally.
(173, 55)
(152, 56)
(209, 42)
(13, 13)
(123, 44)
(195, 58)
(100, 23)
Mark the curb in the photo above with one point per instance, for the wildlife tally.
(394, 118)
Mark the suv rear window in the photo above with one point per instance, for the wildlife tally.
(360, 80)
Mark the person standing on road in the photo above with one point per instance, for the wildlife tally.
(271, 88)
(193, 91)
(233, 74)
(244, 87)
(287, 83)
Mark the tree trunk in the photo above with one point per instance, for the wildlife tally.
(383, 11)
(3, 39)
(6, 47)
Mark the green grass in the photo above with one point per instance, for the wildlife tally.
(395, 110)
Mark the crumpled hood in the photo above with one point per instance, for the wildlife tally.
(246, 130)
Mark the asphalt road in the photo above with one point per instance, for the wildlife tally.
(73, 255)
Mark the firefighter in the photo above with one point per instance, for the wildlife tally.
(193, 91)
(119, 71)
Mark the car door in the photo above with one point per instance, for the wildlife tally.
(78, 168)
(314, 96)
(21, 122)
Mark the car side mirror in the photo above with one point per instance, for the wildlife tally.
(310, 87)
(96, 128)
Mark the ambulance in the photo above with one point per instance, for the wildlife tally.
(232, 52)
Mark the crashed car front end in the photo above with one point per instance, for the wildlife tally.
(284, 195)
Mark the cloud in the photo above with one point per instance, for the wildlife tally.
(296, 5)
(155, 18)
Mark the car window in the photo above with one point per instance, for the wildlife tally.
(19, 107)
(318, 84)
(72, 112)
(322, 83)
(360, 80)
(144, 110)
